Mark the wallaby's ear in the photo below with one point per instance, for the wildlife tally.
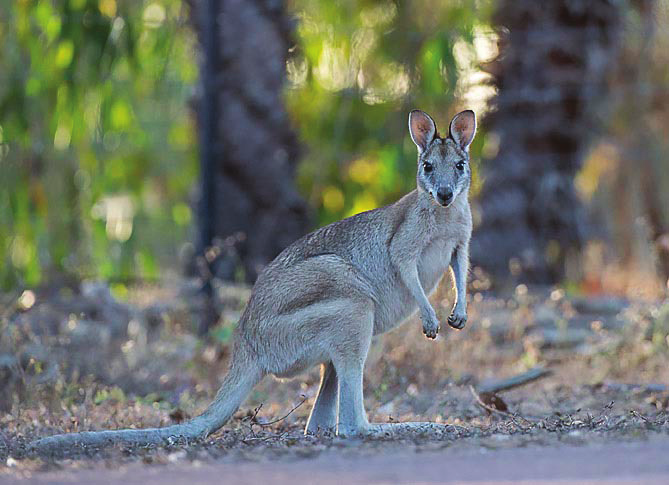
(421, 128)
(463, 128)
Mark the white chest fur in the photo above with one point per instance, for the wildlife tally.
(434, 262)
(399, 304)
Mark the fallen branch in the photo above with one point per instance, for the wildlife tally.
(515, 381)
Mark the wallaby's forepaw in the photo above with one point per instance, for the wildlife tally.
(457, 320)
(431, 326)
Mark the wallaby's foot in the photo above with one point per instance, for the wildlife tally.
(314, 429)
(404, 430)
(346, 431)
(397, 430)
(322, 421)
(457, 320)
(430, 325)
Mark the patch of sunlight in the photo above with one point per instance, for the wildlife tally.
(107, 7)
(334, 71)
(154, 15)
(117, 28)
(21, 252)
(378, 15)
(474, 87)
(26, 300)
(363, 202)
(602, 159)
(297, 71)
(333, 199)
(53, 27)
(118, 212)
(363, 171)
(64, 54)
(121, 115)
(63, 136)
(391, 82)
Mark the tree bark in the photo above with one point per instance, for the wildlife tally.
(258, 210)
(551, 79)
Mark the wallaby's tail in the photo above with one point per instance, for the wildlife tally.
(238, 383)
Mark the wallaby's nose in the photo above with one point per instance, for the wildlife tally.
(444, 196)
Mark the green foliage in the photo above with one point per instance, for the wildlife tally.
(360, 67)
(96, 141)
(97, 144)
(113, 394)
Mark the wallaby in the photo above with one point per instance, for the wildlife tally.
(323, 298)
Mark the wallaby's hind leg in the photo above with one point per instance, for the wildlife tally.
(349, 363)
(352, 417)
(324, 414)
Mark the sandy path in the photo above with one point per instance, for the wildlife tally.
(639, 462)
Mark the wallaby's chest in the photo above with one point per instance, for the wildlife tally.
(434, 262)
(399, 304)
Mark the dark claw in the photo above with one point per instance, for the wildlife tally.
(457, 322)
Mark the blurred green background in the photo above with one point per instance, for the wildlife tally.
(98, 145)
(98, 125)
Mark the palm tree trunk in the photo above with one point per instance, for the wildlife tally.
(551, 80)
(257, 209)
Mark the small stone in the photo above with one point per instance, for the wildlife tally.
(176, 456)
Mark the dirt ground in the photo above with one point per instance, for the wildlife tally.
(613, 463)
(87, 357)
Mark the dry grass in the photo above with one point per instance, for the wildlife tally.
(147, 369)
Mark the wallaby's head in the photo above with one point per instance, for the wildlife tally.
(443, 163)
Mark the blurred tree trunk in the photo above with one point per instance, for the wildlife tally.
(551, 79)
(258, 210)
(635, 200)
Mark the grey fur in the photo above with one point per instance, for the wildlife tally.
(323, 298)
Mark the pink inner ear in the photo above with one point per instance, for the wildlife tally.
(422, 128)
(461, 126)
(463, 129)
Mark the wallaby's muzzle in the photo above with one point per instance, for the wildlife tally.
(444, 196)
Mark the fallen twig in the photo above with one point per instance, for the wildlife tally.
(636, 414)
(263, 439)
(304, 399)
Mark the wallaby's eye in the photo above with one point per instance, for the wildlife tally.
(460, 166)
(427, 166)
